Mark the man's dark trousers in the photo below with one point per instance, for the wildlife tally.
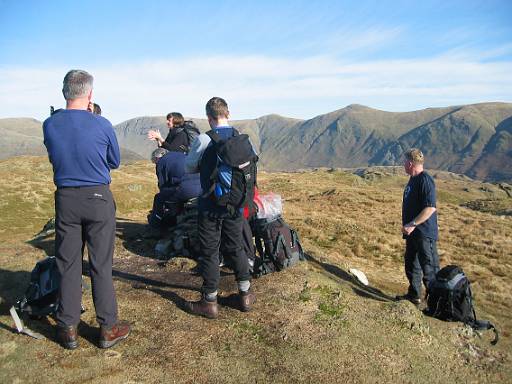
(213, 227)
(87, 212)
(421, 259)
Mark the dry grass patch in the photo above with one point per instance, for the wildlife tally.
(312, 323)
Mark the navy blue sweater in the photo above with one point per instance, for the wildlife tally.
(82, 148)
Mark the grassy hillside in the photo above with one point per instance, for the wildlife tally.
(312, 323)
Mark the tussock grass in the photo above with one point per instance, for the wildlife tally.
(312, 323)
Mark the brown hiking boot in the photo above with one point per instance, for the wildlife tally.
(203, 307)
(110, 336)
(247, 299)
(67, 336)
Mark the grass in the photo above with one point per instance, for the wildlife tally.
(311, 323)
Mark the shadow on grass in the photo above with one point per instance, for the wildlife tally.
(358, 288)
(12, 288)
(131, 233)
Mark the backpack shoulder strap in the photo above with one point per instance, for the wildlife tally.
(483, 325)
(214, 136)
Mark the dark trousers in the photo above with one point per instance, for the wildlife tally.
(421, 262)
(85, 215)
(212, 230)
(160, 216)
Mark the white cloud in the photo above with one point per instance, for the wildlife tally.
(258, 85)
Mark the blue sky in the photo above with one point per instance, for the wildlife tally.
(296, 58)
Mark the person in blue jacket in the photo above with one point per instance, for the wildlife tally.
(175, 187)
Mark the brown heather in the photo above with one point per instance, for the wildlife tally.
(312, 323)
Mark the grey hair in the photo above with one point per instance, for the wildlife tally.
(77, 83)
(158, 153)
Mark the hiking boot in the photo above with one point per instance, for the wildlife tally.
(67, 336)
(412, 299)
(247, 299)
(110, 336)
(203, 307)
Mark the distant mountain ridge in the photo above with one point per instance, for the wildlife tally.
(24, 136)
(475, 140)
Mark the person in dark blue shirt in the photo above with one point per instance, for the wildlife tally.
(176, 187)
(419, 226)
(82, 148)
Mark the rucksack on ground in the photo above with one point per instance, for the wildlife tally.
(234, 177)
(41, 296)
(278, 246)
(449, 298)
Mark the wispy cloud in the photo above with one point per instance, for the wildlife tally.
(258, 85)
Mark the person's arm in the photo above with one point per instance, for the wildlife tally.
(113, 152)
(160, 174)
(423, 216)
(45, 142)
(193, 159)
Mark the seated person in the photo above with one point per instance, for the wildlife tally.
(176, 187)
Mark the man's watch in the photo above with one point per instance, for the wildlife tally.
(414, 223)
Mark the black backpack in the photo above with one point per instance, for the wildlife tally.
(449, 298)
(277, 244)
(41, 296)
(191, 131)
(233, 178)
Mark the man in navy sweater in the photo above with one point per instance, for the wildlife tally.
(82, 148)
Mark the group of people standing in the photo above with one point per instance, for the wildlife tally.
(83, 148)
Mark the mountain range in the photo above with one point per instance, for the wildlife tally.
(475, 140)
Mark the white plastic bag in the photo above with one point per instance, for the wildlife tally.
(270, 206)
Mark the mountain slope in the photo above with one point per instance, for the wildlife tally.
(472, 139)
(475, 140)
(24, 137)
(21, 136)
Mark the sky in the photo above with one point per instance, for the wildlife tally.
(293, 58)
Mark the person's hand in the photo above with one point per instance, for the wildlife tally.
(155, 135)
(90, 107)
(408, 228)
